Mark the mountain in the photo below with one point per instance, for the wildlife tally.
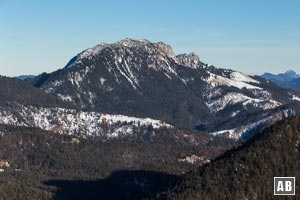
(296, 84)
(289, 79)
(246, 172)
(130, 77)
(245, 132)
(288, 75)
(21, 104)
(144, 79)
(127, 120)
(112, 90)
(24, 77)
(78, 123)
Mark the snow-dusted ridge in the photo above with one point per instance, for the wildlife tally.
(237, 79)
(234, 98)
(72, 122)
(238, 76)
(242, 133)
(217, 101)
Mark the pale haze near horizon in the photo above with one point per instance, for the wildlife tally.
(252, 37)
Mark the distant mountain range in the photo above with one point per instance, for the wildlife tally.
(289, 79)
(24, 77)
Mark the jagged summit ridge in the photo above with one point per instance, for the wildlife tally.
(191, 60)
(159, 51)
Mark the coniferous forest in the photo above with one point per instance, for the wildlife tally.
(47, 166)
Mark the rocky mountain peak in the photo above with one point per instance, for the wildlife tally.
(147, 46)
(128, 42)
(291, 74)
(190, 60)
(158, 54)
(167, 49)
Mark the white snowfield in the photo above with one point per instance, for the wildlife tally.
(234, 98)
(238, 76)
(237, 79)
(72, 122)
(260, 98)
(244, 132)
(295, 98)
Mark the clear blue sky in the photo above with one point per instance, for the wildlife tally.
(250, 36)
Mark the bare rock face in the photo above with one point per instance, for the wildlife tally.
(189, 60)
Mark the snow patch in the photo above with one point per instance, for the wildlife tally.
(102, 80)
(65, 97)
(295, 98)
(235, 113)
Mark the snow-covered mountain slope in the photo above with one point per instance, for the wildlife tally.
(244, 132)
(72, 122)
(235, 98)
(236, 79)
(145, 79)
